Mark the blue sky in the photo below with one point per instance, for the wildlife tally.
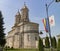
(37, 11)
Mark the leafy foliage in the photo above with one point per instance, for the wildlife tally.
(54, 43)
(41, 48)
(2, 34)
(58, 43)
(47, 43)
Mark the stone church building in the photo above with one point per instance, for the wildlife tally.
(24, 33)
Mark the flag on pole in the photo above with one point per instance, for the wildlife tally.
(51, 21)
(47, 25)
(45, 22)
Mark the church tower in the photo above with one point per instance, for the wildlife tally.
(17, 18)
(25, 13)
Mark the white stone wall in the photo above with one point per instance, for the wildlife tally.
(28, 39)
(10, 38)
(10, 42)
(30, 42)
(30, 26)
(16, 41)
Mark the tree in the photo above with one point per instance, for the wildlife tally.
(40, 46)
(47, 43)
(58, 44)
(54, 43)
(2, 34)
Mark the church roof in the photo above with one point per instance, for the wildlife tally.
(24, 7)
(18, 13)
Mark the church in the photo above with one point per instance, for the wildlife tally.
(24, 33)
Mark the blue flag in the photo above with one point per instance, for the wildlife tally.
(47, 25)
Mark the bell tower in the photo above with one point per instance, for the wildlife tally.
(25, 13)
(17, 18)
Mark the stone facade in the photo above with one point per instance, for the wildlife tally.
(24, 34)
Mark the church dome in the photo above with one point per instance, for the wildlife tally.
(18, 13)
(24, 7)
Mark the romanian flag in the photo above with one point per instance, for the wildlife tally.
(46, 26)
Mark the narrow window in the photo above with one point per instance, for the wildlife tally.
(35, 38)
(28, 37)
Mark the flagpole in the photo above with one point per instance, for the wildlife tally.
(49, 30)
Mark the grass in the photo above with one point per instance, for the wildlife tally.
(21, 50)
(28, 50)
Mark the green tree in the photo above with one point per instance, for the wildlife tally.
(40, 46)
(54, 43)
(51, 41)
(2, 34)
(47, 43)
(58, 44)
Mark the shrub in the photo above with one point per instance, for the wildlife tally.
(47, 43)
(40, 46)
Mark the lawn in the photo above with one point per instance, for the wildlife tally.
(28, 50)
(21, 50)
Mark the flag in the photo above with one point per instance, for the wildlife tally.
(48, 22)
(46, 26)
(51, 21)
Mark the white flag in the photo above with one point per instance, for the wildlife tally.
(52, 21)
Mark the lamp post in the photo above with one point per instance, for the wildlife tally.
(49, 30)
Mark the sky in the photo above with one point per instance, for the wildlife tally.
(37, 12)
